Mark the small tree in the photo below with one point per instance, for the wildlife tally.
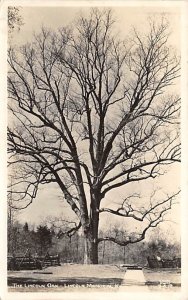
(44, 238)
(25, 227)
(14, 238)
(164, 244)
(91, 114)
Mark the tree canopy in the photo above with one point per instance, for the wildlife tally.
(14, 18)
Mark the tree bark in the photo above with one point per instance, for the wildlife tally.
(90, 251)
(103, 252)
(91, 234)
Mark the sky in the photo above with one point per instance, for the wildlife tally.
(48, 201)
(54, 17)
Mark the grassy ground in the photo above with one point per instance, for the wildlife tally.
(163, 279)
(70, 277)
(67, 278)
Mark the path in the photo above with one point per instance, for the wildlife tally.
(133, 281)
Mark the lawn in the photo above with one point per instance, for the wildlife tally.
(73, 277)
(165, 279)
(68, 277)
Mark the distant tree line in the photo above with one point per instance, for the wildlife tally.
(24, 239)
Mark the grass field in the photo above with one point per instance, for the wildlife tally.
(67, 278)
(165, 279)
(72, 277)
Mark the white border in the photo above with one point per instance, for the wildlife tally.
(184, 137)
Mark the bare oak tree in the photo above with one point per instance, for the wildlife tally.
(92, 113)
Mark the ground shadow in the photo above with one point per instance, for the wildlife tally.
(65, 281)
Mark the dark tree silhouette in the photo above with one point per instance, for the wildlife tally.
(92, 113)
(25, 227)
(44, 238)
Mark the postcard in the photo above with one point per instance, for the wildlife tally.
(94, 178)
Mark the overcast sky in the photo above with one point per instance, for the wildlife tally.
(54, 17)
(48, 200)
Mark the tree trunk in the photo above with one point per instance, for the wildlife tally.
(91, 237)
(90, 251)
(103, 252)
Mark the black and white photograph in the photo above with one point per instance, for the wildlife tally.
(94, 131)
